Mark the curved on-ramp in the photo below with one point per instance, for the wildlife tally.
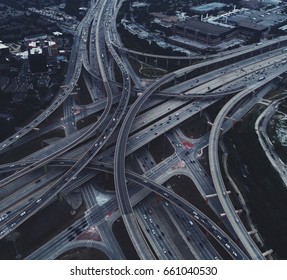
(217, 178)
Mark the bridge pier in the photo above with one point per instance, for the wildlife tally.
(209, 196)
(252, 231)
(200, 112)
(233, 121)
(221, 131)
(209, 125)
(236, 211)
(267, 253)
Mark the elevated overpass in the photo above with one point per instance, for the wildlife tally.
(217, 178)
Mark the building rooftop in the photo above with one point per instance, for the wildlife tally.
(35, 44)
(2, 46)
(208, 7)
(252, 25)
(57, 33)
(37, 50)
(139, 4)
(262, 18)
(203, 27)
(35, 37)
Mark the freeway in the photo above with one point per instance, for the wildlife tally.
(174, 123)
(169, 117)
(189, 209)
(229, 79)
(123, 135)
(31, 167)
(243, 49)
(75, 70)
(120, 150)
(72, 173)
(135, 132)
(193, 212)
(261, 130)
(101, 140)
(229, 210)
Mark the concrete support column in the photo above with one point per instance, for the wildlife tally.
(252, 232)
(269, 252)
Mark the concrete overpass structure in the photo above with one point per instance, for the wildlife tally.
(105, 55)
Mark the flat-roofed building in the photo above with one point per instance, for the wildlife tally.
(204, 32)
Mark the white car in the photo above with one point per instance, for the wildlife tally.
(4, 216)
(227, 246)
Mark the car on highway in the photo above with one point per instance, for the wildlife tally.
(227, 245)
(3, 217)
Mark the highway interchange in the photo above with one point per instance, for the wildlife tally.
(124, 128)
